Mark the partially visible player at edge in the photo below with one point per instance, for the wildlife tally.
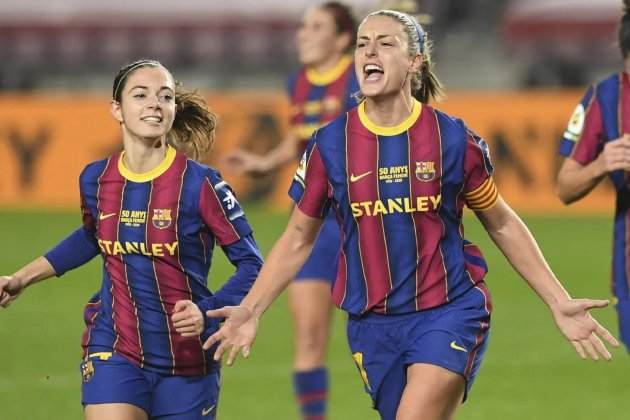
(320, 91)
(154, 215)
(397, 173)
(596, 144)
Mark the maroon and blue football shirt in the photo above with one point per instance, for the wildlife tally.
(399, 194)
(156, 233)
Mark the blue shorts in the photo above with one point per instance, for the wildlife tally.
(114, 379)
(322, 263)
(623, 313)
(453, 336)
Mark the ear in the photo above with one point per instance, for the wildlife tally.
(416, 64)
(116, 111)
(342, 43)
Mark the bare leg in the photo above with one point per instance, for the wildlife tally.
(118, 411)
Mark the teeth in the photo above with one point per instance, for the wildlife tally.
(152, 119)
(372, 67)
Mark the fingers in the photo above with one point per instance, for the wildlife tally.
(212, 340)
(599, 347)
(579, 349)
(606, 335)
(219, 313)
(232, 356)
(5, 299)
(587, 304)
(588, 346)
(181, 305)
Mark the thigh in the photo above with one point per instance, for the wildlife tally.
(431, 393)
(114, 412)
(454, 337)
(310, 303)
(111, 380)
(186, 397)
(376, 352)
(321, 264)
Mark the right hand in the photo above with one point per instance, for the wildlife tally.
(242, 162)
(10, 289)
(616, 155)
(237, 333)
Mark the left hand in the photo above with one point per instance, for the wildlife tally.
(187, 318)
(585, 334)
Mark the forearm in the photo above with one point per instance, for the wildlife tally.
(284, 153)
(282, 264)
(518, 245)
(575, 181)
(34, 272)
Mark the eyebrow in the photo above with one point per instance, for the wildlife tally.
(377, 37)
(146, 87)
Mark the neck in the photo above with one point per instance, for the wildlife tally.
(389, 110)
(327, 64)
(141, 155)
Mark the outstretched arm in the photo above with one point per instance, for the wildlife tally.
(285, 259)
(572, 316)
(75, 250)
(244, 162)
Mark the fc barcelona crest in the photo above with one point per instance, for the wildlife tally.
(161, 218)
(87, 370)
(425, 171)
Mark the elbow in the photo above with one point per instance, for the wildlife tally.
(563, 194)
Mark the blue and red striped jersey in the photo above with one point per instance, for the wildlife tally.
(318, 98)
(398, 193)
(603, 115)
(156, 232)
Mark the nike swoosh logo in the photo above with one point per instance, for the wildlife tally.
(456, 347)
(206, 411)
(104, 216)
(354, 178)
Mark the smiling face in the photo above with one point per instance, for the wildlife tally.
(146, 109)
(382, 61)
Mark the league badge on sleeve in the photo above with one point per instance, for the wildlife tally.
(300, 174)
(161, 218)
(576, 124)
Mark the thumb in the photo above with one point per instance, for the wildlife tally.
(219, 313)
(594, 303)
(181, 305)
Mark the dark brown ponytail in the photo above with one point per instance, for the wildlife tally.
(624, 30)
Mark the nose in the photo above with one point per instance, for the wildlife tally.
(154, 101)
(370, 49)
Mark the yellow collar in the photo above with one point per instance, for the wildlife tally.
(390, 131)
(153, 173)
(329, 76)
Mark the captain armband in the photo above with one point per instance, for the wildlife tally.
(483, 197)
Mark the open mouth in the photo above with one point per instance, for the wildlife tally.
(372, 72)
(154, 119)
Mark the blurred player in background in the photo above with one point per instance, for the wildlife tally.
(596, 144)
(398, 173)
(320, 91)
(154, 215)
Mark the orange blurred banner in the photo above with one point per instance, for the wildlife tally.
(46, 140)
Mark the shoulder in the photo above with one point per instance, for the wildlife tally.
(332, 131)
(610, 81)
(201, 172)
(449, 124)
(94, 170)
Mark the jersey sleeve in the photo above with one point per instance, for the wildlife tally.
(480, 190)
(221, 211)
(310, 188)
(582, 140)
